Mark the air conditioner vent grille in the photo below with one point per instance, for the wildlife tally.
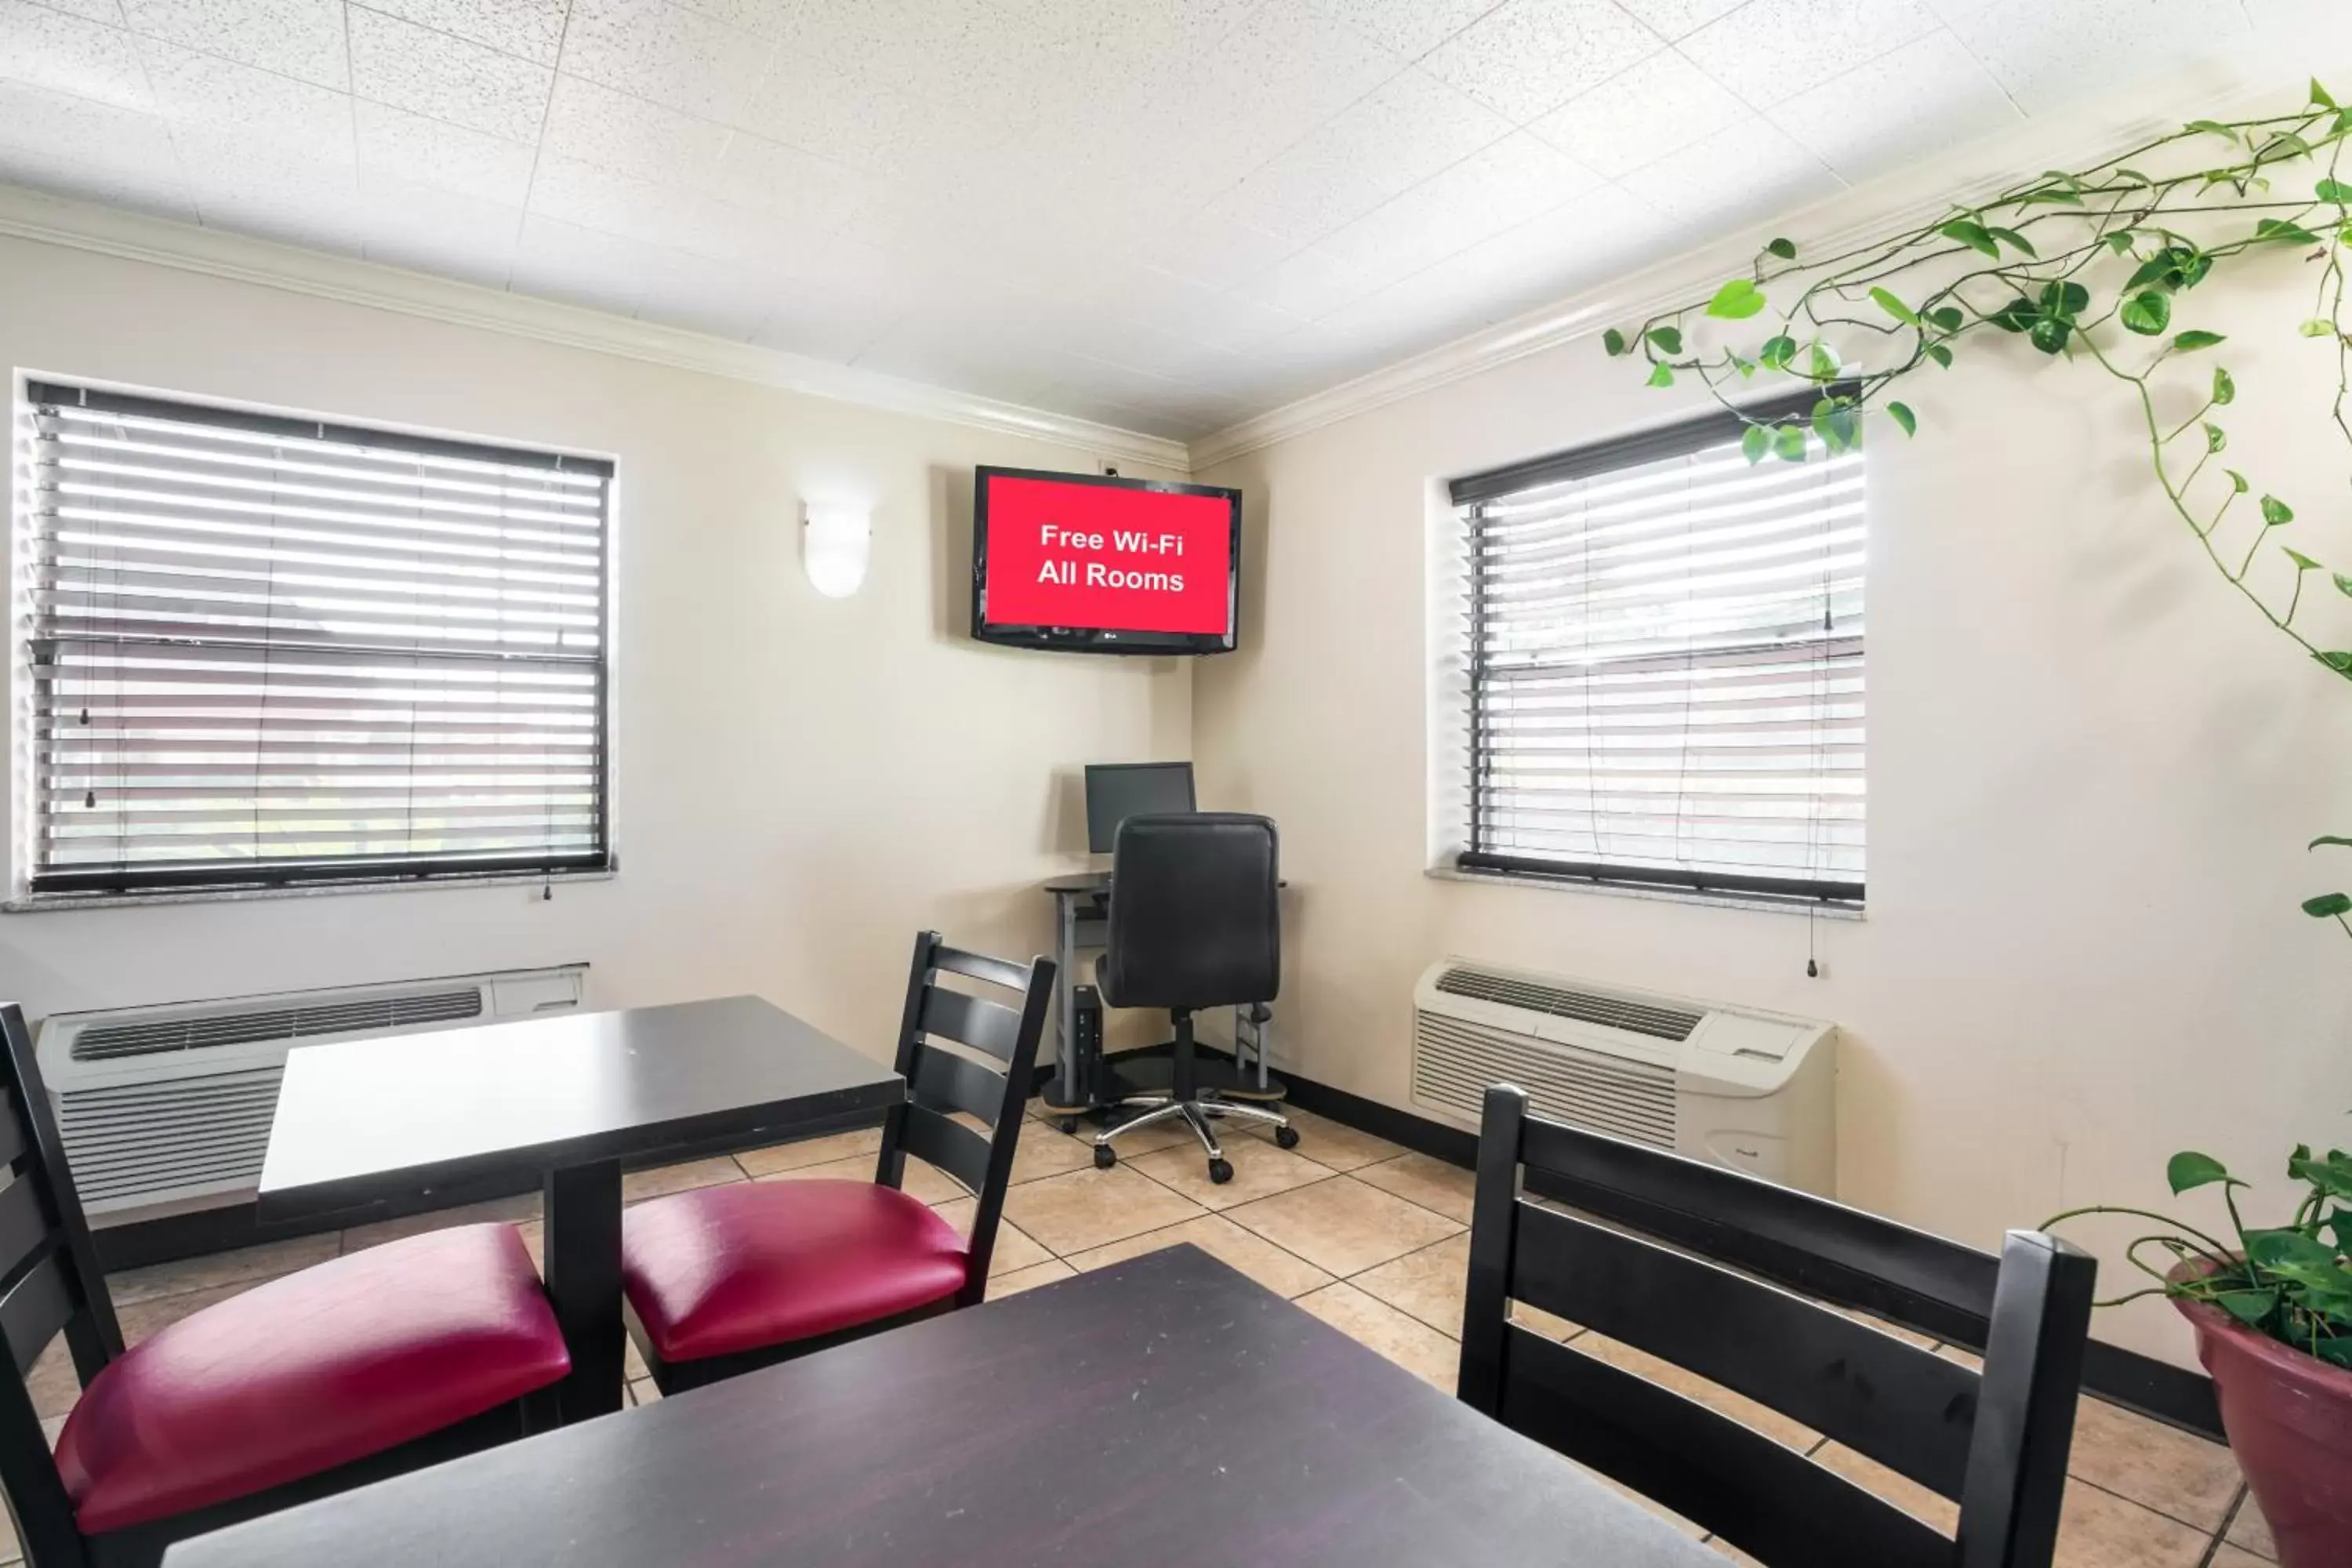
(1455, 1061)
(128, 1144)
(110, 1041)
(1586, 1006)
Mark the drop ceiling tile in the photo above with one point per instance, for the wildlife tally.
(144, 190)
(531, 29)
(1130, 26)
(81, 131)
(705, 296)
(2046, 54)
(1499, 188)
(42, 48)
(1899, 106)
(754, 171)
(2303, 25)
(563, 261)
(230, 102)
(658, 51)
(1410, 28)
(105, 11)
(1206, 248)
(1399, 133)
(802, 103)
(1528, 57)
(953, 351)
(447, 78)
(628, 135)
(1673, 19)
(1279, 73)
(429, 228)
(394, 142)
(301, 39)
(1308, 284)
(1747, 171)
(825, 324)
(247, 189)
(1659, 106)
(1771, 50)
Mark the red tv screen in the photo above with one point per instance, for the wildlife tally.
(1103, 565)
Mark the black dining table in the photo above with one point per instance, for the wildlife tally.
(365, 1127)
(1163, 1410)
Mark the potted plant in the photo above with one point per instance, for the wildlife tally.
(2272, 1312)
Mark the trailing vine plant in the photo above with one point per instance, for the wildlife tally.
(2095, 266)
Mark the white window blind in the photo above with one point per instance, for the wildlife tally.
(1665, 665)
(260, 651)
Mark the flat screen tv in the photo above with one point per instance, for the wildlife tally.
(1091, 563)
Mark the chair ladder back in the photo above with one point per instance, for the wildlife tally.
(2025, 1413)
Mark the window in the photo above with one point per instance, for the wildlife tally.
(257, 651)
(1665, 665)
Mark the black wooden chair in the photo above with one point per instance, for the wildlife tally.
(1994, 1442)
(724, 1279)
(342, 1374)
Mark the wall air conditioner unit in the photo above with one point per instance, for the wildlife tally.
(167, 1109)
(1753, 1090)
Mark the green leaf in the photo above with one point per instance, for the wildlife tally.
(1825, 366)
(1940, 355)
(2305, 563)
(1667, 341)
(1746, 367)
(2238, 482)
(2332, 1176)
(2319, 95)
(2340, 662)
(2327, 906)
(2335, 1352)
(2011, 238)
(1973, 234)
(1789, 444)
(2343, 584)
(1662, 376)
(2120, 241)
(2294, 1255)
(2063, 301)
(2276, 511)
(1901, 414)
(1895, 308)
(1948, 317)
(2211, 128)
(2225, 388)
(2055, 196)
(1777, 351)
(2018, 315)
(2317, 327)
(1756, 443)
(2189, 1169)
(2336, 840)
(2335, 191)
(2215, 437)
(1613, 342)
(2280, 231)
(2147, 312)
(1736, 300)
(2249, 1307)
(2050, 335)
(1786, 249)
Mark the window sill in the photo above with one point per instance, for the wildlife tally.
(1659, 895)
(24, 905)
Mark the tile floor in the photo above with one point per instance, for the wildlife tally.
(1368, 1237)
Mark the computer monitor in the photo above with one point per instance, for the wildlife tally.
(1117, 791)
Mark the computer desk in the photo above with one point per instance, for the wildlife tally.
(1081, 920)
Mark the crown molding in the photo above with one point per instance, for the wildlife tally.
(1905, 199)
(138, 236)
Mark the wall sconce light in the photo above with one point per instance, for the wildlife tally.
(835, 539)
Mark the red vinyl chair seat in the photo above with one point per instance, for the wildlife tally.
(307, 1373)
(724, 1270)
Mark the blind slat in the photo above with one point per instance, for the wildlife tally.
(266, 651)
(1666, 668)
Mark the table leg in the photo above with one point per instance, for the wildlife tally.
(582, 1247)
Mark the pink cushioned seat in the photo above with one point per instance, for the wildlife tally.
(309, 1371)
(723, 1269)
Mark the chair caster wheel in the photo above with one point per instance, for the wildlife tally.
(1105, 1156)
(1285, 1137)
(1221, 1171)
(1067, 1124)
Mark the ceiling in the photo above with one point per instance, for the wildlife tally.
(1162, 214)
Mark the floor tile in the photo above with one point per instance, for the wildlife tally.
(1016, 1249)
(1428, 1285)
(2099, 1530)
(2227, 1556)
(633, 1362)
(1090, 1208)
(922, 1182)
(1763, 1418)
(643, 1392)
(2193, 1480)
(1221, 1239)
(1003, 1285)
(534, 1241)
(2250, 1531)
(1908, 1336)
(1342, 1225)
(1260, 1171)
(246, 1265)
(52, 1381)
(866, 1141)
(1333, 1143)
(1044, 1153)
(1419, 1179)
(521, 1206)
(1549, 1325)
(660, 1180)
(1411, 1343)
(1904, 1493)
(1149, 1139)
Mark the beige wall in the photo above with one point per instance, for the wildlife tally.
(801, 782)
(2092, 773)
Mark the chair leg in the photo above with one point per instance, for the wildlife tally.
(1162, 1108)
(1247, 1113)
(1196, 1114)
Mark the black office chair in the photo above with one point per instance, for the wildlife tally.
(1193, 923)
(1994, 1441)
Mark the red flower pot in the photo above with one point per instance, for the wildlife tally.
(2289, 1416)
